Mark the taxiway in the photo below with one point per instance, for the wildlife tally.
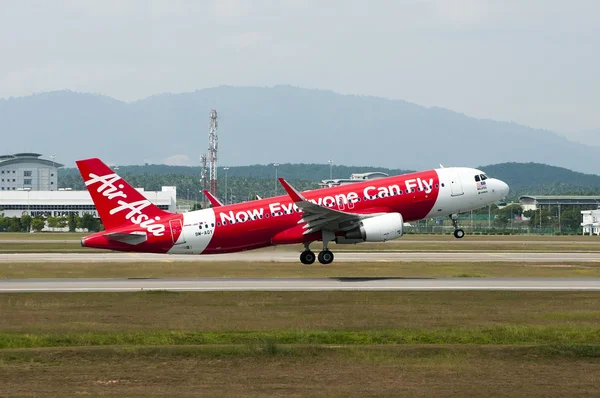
(291, 256)
(296, 284)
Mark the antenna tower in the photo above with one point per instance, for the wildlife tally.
(213, 143)
(203, 177)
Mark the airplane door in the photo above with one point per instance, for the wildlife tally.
(177, 232)
(455, 185)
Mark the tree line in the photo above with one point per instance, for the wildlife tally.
(245, 181)
(26, 223)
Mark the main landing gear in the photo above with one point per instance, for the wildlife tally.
(308, 257)
(458, 232)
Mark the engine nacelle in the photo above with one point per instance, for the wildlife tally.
(377, 229)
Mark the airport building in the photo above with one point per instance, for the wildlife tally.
(29, 186)
(28, 171)
(65, 201)
(591, 222)
(356, 177)
(535, 202)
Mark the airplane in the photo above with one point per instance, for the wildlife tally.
(369, 211)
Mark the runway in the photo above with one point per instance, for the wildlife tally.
(397, 242)
(297, 284)
(272, 255)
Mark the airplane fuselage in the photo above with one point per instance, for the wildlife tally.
(275, 221)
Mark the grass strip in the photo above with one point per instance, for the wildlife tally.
(239, 269)
(269, 349)
(517, 334)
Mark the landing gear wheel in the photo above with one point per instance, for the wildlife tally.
(459, 233)
(307, 257)
(325, 257)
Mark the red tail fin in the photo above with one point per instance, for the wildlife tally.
(117, 202)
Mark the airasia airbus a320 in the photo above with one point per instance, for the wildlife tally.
(369, 211)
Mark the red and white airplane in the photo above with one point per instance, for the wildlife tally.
(369, 211)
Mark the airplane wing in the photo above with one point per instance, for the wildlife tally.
(212, 199)
(319, 217)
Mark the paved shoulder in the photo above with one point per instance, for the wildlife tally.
(295, 284)
(291, 256)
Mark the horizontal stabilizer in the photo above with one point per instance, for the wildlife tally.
(132, 238)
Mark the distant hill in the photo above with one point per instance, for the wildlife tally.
(243, 181)
(279, 124)
(587, 137)
(298, 171)
(541, 179)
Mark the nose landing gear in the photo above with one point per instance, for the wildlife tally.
(459, 233)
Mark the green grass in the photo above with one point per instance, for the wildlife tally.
(515, 334)
(237, 315)
(311, 371)
(189, 269)
(70, 243)
(300, 344)
(42, 236)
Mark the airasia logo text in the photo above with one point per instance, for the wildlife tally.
(135, 213)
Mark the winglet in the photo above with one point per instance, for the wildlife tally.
(295, 195)
(212, 199)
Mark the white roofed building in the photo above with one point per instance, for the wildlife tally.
(28, 171)
(16, 203)
(591, 222)
(355, 177)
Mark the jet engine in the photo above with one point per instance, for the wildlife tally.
(376, 229)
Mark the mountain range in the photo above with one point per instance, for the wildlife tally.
(274, 124)
(587, 137)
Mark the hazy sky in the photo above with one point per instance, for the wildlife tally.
(534, 62)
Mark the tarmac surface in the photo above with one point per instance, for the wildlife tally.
(296, 284)
(399, 242)
(291, 256)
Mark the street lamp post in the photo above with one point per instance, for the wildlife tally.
(275, 164)
(226, 168)
(330, 168)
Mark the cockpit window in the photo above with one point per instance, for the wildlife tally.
(477, 179)
(483, 177)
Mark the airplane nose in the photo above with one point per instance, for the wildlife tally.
(503, 188)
